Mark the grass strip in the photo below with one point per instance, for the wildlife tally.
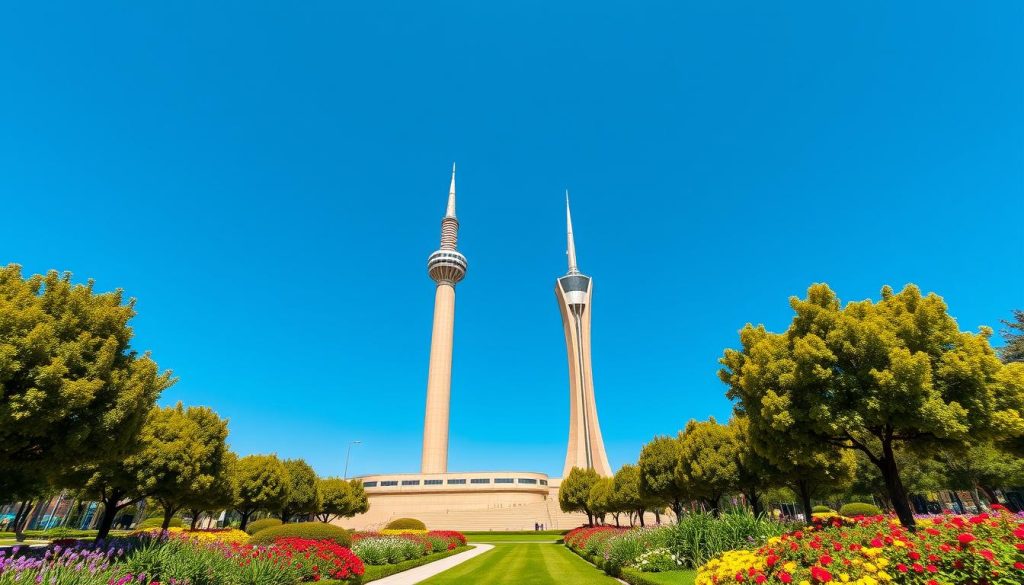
(635, 577)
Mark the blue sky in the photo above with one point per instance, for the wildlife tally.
(268, 181)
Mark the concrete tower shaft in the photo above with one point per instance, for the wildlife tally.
(574, 293)
(446, 267)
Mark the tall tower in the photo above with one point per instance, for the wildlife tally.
(446, 267)
(573, 291)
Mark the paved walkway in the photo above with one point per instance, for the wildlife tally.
(427, 571)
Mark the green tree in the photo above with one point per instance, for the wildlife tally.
(820, 474)
(601, 500)
(1013, 351)
(183, 456)
(872, 377)
(658, 478)
(303, 498)
(341, 498)
(359, 503)
(219, 495)
(575, 490)
(708, 455)
(627, 492)
(755, 475)
(263, 484)
(983, 466)
(74, 391)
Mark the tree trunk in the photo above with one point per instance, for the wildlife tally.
(285, 515)
(616, 516)
(715, 505)
(755, 501)
(677, 508)
(657, 517)
(989, 493)
(168, 515)
(894, 485)
(590, 518)
(804, 493)
(976, 499)
(110, 510)
(195, 517)
(245, 519)
(640, 515)
(19, 520)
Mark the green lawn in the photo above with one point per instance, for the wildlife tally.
(670, 578)
(524, 564)
(499, 537)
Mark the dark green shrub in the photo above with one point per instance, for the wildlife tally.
(158, 522)
(821, 510)
(406, 524)
(254, 527)
(311, 530)
(859, 509)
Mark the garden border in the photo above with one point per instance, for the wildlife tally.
(389, 570)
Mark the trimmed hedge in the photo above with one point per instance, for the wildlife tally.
(406, 524)
(821, 509)
(256, 526)
(311, 530)
(158, 522)
(859, 509)
(375, 572)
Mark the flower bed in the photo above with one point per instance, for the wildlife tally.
(148, 559)
(392, 546)
(978, 550)
(225, 535)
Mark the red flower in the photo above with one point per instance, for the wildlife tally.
(787, 578)
(965, 538)
(820, 574)
(989, 555)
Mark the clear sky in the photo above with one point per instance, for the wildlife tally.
(268, 180)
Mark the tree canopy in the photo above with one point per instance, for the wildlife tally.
(303, 498)
(707, 467)
(263, 484)
(575, 489)
(1013, 351)
(184, 455)
(658, 479)
(871, 376)
(74, 391)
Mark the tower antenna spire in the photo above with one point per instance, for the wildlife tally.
(571, 250)
(451, 196)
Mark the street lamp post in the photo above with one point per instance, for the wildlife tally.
(348, 455)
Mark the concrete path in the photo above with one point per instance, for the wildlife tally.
(425, 572)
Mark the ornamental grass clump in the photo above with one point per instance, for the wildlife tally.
(978, 550)
(699, 537)
(625, 549)
(387, 550)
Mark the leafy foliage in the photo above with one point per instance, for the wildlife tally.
(263, 484)
(74, 391)
(1013, 351)
(708, 454)
(658, 478)
(303, 498)
(871, 376)
(341, 499)
(575, 491)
